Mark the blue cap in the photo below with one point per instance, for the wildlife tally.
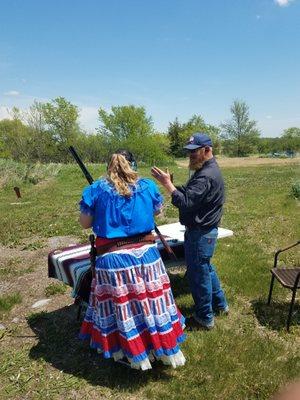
(198, 140)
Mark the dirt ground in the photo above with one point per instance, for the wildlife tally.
(29, 277)
(31, 284)
(237, 162)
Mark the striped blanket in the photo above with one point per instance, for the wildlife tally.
(71, 265)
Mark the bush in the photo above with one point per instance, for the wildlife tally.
(149, 150)
(296, 189)
(13, 173)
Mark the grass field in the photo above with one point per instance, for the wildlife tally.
(249, 355)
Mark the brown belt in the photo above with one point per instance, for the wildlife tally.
(124, 243)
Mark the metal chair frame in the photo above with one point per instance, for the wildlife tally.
(93, 254)
(293, 287)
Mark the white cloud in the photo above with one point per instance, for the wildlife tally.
(269, 116)
(4, 113)
(283, 3)
(89, 117)
(12, 93)
(258, 17)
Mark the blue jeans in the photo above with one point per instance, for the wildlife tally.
(203, 279)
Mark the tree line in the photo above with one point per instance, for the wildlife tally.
(46, 130)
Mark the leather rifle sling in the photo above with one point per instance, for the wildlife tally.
(165, 244)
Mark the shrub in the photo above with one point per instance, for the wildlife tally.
(296, 189)
(13, 173)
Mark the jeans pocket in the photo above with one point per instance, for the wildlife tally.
(199, 247)
(213, 234)
(207, 245)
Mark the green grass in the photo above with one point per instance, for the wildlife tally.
(7, 302)
(12, 268)
(248, 356)
(55, 288)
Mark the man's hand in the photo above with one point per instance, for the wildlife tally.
(160, 175)
(164, 178)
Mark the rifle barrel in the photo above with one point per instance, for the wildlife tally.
(81, 165)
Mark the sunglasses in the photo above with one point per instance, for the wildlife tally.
(194, 150)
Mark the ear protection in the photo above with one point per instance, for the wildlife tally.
(129, 157)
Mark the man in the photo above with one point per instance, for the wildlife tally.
(290, 392)
(200, 203)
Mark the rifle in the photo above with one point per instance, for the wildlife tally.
(90, 180)
(81, 165)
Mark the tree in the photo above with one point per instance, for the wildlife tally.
(125, 122)
(43, 144)
(291, 133)
(240, 133)
(180, 133)
(269, 145)
(61, 119)
(174, 133)
(14, 139)
(130, 127)
(92, 147)
(35, 118)
(291, 140)
(151, 149)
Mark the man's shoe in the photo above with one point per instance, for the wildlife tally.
(222, 311)
(194, 323)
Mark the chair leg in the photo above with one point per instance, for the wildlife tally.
(291, 310)
(271, 289)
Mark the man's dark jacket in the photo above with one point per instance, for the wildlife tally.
(201, 200)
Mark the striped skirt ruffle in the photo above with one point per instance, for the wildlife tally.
(132, 312)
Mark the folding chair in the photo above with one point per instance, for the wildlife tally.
(84, 289)
(288, 278)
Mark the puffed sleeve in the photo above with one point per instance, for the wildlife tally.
(88, 200)
(157, 198)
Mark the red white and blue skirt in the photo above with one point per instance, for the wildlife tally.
(132, 312)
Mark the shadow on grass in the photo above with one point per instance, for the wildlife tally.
(274, 316)
(59, 346)
(179, 284)
(180, 287)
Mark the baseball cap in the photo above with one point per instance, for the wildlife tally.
(198, 140)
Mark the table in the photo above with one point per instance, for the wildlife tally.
(71, 265)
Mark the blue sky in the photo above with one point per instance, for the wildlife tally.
(175, 57)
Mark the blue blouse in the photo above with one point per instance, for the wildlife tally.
(120, 216)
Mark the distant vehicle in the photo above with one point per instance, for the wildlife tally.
(290, 153)
(283, 154)
(277, 154)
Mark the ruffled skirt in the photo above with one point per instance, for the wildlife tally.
(132, 312)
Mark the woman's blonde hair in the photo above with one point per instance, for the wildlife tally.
(121, 175)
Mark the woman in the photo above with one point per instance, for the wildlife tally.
(131, 312)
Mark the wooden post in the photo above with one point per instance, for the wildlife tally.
(17, 191)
